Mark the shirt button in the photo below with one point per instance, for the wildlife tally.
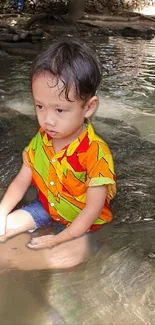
(53, 160)
(51, 183)
(52, 204)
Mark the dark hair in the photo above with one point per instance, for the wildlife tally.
(73, 63)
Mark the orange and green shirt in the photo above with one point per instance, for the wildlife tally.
(62, 178)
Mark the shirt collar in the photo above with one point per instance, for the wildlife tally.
(80, 144)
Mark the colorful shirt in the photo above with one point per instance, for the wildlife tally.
(62, 178)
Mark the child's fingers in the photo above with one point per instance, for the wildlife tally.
(40, 242)
(38, 246)
(29, 245)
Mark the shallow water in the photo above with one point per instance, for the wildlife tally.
(117, 285)
(128, 85)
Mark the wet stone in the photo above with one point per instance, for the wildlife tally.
(16, 132)
(148, 33)
(135, 167)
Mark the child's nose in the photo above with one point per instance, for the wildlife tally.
(50, 119)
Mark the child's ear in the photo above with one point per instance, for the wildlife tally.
(91, 106)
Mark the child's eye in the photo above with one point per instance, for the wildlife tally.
(59, 110)
(39, 107)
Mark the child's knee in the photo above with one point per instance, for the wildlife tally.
(19, 220)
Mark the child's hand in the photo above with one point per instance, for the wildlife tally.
(2, 223)
(42, 242)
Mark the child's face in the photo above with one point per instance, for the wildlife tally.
(57, 116)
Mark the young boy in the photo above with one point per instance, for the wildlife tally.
(71, 167)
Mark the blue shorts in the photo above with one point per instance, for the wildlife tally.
(41, 217)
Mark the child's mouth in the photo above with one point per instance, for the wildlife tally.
(51, 133)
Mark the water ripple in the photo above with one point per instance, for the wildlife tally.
(128, 67)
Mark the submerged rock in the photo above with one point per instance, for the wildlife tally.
(117, 284)
(135, 166)
(16, 130)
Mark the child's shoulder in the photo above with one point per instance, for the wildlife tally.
(37, 139)
(99, 144)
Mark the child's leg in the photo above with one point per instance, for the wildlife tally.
(17, 222)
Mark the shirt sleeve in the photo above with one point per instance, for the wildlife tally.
(29, 153)
(100, 168)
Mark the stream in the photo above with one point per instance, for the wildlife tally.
(116, 286)
(127, 90)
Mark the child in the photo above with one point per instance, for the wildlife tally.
(71, 167)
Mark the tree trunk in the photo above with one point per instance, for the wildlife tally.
(76, 9)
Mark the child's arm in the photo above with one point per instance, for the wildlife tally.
(14, 194)
(94, 204)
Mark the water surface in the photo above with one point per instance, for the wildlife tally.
(128, 85)
(117, 285)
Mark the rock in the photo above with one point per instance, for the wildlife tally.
(148, 33)
(5, 125)
(135, 165)
(13, 140)
(133, 32)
